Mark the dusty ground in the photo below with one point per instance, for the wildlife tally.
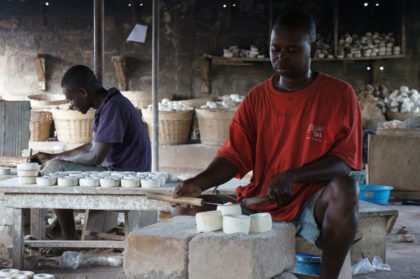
(403, 258)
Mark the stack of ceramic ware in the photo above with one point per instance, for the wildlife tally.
(27, 173)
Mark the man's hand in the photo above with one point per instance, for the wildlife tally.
(280, 189)
(41, 157)
(187, 189)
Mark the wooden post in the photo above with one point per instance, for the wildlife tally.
(155, 88)
(119, 70)
(18, 244)
(205, 75)
(335, 28)
(98, 39)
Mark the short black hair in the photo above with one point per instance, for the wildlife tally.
(79, 76)
(298, 19)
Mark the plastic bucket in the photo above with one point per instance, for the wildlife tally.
(307, 264)
(378, 194)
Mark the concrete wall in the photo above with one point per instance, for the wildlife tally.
(63, 31)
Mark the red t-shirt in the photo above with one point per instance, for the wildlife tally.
(275, 131)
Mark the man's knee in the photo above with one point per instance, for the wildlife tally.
(345, 191)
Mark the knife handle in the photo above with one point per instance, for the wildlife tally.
(254, 200)
(169, 198)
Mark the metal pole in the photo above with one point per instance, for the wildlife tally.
(98, 39)
(155, 89)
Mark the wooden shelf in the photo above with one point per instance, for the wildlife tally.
(220, 60)
(208, 60)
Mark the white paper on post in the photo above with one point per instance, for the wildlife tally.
(138, 34)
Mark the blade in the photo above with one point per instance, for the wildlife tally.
(212, 203)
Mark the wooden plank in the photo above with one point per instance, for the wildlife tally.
(205, 75)
(75, 243)
(78, 201)
(40, 70)
(18, 247)
(12, 186)
(398, 132)
(119, 70)
(405, 195)
(394, 161)
(103, 235)
(14, 127)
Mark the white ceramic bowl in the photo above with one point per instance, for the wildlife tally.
(28, 167)
(46, 181)
(89, 182)
(27, 180)
(109, 182)
(67, 181)
(27, 173)
(4, 171)
(150, 183)
(130, 182)
(28, 274)
(44, 276)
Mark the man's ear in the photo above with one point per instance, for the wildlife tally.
(314, 49)
(83, 92)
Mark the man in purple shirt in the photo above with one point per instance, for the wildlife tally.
(120, 143)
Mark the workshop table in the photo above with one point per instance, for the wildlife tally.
(20, 197)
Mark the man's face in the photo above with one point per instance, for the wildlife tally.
(290, 52)
(78, 98)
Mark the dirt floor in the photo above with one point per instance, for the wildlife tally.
(403, 258)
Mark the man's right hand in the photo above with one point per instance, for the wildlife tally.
(41, 157)
(186, 189)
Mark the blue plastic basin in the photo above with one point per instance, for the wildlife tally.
(378, 194)
(307, 264)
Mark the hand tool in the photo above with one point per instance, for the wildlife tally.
(201, 202)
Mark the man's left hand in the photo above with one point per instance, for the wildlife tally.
(280, 189)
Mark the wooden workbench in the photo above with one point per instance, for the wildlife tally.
(95, 198)
(374, 220)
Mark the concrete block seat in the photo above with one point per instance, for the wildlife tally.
(174, 249)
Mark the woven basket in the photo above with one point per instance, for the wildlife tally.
(174, 126)
(46, 100)
(73, 126)
(140, 99)
(214, 125)
(390, 115)
(40, 125)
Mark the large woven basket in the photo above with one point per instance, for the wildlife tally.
(73, 126)
(214, 125)
(40, 125)
(41, 101)
(174, 126)
(140, 99)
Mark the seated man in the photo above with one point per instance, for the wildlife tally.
(300, 134)
(120, 142)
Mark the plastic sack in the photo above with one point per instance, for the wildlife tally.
(364, 266)
(74, 260)
(378, 264)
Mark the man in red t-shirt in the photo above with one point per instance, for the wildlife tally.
(300, 133)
